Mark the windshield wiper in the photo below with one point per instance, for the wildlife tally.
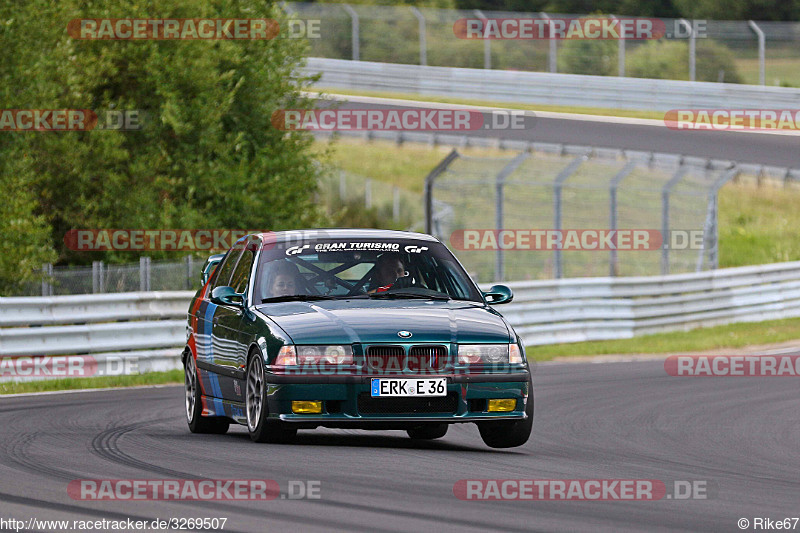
(400, 294)
(299, 298)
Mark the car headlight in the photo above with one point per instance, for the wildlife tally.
(336, 354)
(469, 354)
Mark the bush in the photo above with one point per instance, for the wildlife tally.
(670, 60)
(594, 57)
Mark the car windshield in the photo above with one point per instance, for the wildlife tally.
(361, 268)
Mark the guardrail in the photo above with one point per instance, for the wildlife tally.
(147, 326)
(151, 326)
(546, 88)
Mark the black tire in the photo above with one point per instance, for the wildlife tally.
(194, 406)
(259, 425)
(428, 432)
(509, 433)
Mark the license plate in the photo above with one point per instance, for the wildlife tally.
(409, 387)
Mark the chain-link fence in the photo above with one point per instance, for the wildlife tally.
(146, 275)
(703, 50)
(394, 205)
(489, 210)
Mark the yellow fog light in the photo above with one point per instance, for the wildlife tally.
(306, 408)
(502, 406)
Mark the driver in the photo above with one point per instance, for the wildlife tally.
(388, 268)
(283, 279)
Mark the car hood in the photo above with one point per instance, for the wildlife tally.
(370, 321)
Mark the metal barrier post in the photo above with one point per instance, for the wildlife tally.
(47, 275)
(144, 274)
(499, 185)
(395, 203)
(487, 43)
(429, 179)
(552, 58)
(355, 31)
(711, 228)
(189, 272)
(558, 184)
(692, 49)
(762, 52)
(615, 181)
(423, 43)
(665, 192)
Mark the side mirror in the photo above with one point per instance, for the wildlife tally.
(498, 294)
(227, 296)
(208, 268)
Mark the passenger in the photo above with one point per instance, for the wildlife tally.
(388, 268)
(283, 279)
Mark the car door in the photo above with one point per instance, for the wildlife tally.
(212, 337)
(231, 358)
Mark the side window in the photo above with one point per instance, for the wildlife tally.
(241, 275)
(227, 266)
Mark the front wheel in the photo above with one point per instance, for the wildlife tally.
(261, 428)
(194, 407)
(509, 433)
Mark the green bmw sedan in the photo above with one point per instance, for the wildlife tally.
(351, 328)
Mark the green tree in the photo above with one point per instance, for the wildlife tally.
(207, 154)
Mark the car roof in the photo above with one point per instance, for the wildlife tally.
(343, 233)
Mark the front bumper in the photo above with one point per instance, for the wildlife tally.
(347, 401)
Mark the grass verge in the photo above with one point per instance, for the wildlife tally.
(697, 340)
(149, 378)
(577, 110)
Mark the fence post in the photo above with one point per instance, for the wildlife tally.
(615, 181)
(487, 43)
(423, 42)
(762, 52)
(692, 50)
(552, 60)
(144, 274)
(429, 179)
(355, 31)
(558, 185)
(500, 182)
(189, 272)
(711, 228)
(395, 203)
(620, 49)
(665, 192)
(47, 275)
(98, 281)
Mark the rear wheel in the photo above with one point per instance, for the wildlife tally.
(428, 432)
(509, 433)
(261, 428)
(194, 405)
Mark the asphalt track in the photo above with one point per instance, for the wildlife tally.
(593, 421)
(752, 148)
